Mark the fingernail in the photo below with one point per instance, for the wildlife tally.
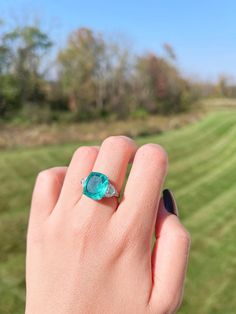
(169, 202)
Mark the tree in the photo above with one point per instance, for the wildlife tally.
(118, 80)
(8, 84)
(80, 67)
(160, 85)
(25, 48)
(223, 86)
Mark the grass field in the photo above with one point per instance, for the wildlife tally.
(203, 177)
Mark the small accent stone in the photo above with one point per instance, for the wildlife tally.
(110, 191)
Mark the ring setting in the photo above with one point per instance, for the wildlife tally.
(97, 186)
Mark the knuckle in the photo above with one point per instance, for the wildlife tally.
(167, 302)
(173, 303)
(123, 142)
(156, 152)
(47, 175)
(176, 303)
(82, 229)
(124, 238)
(82, 236)
(182, 234)
(84, 151)
(168, 305)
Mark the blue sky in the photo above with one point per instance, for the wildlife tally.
(203, 33)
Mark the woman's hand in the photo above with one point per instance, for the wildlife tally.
(86, 256)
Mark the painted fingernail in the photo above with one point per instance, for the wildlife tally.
(169, 202)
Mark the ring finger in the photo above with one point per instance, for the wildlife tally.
(112, 160)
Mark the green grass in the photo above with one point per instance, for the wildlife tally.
(203, 177)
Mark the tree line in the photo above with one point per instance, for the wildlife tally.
(95, 77)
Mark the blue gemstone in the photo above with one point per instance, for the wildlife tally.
(95, 185)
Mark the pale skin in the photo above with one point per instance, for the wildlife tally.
(86, 256)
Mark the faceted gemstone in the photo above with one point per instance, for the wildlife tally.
(95, 185)
(110, 191)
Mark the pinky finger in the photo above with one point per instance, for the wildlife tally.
(169, 262)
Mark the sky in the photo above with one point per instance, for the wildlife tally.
(202, 33)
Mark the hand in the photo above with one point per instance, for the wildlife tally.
(86, 256)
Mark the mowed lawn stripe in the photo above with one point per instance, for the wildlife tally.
(210, 272)
(224, 169)
(202, 166)
(208, 140)
(203, 188)
(203, 154)
(215, 207)
(178, 145)
(194, 131)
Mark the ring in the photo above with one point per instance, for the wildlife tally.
(97, 186)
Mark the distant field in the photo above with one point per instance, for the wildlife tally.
(203, 177)
(33, 135)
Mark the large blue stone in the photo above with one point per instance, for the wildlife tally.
(95, 185)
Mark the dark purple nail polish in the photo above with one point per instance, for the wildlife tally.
(169, 202)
